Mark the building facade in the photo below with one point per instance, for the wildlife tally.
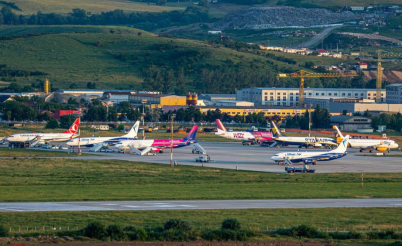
(290, 96)
(157, 100)
(282, 112)
(394, 94)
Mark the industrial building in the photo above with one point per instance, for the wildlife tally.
(325, 102)
(157, 100)
(394, 93)
(339, 107)
(290, 96)
(351, 123)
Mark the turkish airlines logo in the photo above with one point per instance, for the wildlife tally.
(74, 127)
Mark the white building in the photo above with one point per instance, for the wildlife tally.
(394, 94)
(290, 96)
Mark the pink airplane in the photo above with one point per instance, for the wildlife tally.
(142, 147)
(242, 135)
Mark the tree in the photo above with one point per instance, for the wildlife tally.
(345, 112)
(52, 124)
(72, 101)
(73, 86)
(231, 224)
(95, 230)
(66, 121)
(155, 114)
(203, 3)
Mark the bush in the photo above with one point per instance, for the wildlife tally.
(120, 127)
(177, 224)
(3, 231)
(231, 224)
(95, 230)
(306, 231)
(52, 124)
(141, 234)
(227, 234)
(115, 232)
(356, 235)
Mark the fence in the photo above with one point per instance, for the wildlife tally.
(267, 229)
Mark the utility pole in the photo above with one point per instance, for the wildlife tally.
(379, 79)
(171, 140)
(309, 120)
(144, 101)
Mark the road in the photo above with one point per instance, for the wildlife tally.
(316, 39)
(197, 205)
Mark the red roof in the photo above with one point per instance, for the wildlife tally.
(321, 50)
(362, 63)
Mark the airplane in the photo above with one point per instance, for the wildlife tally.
(143, 147)
(312, 157)
(242, 135)
(46, 137)
(368, 144)
(93, 141)
(301, 141)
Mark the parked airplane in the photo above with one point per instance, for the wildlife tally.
(368, 144)
(301, 141)
(94, 141)
(46, 137)
(312, 157)
(143, 147)
(242, 135)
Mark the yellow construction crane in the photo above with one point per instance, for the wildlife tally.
(305, 74)
(378, 83)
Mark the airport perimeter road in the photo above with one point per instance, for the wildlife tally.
(316, 39)
(198, 205)
(256, 158)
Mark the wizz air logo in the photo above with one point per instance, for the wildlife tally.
(238, 135)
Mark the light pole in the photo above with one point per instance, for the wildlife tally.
(171, 140)
(144, 101)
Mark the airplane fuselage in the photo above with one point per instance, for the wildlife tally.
(41, 136)
(161, 143)
(303, 141)
(244, 135)
(307, 157)
(364, 143)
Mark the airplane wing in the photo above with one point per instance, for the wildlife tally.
(328, 143)
(142, 152)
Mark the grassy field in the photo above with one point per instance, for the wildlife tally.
(20, 153)
(77, 180)
(340, 218)
(94, 6)
(94, 54)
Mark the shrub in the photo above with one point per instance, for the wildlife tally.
(3, 231)
(356, 235)
(95, 230)
(115, 232)
(177, 224)
(129, 229)
(306, 231)
(227, 234)
(141, 234)
(231, 224)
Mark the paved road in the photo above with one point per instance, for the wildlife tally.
(257, 158)
(198, 204)
(316, 39)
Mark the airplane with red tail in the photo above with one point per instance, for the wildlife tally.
(47, 137)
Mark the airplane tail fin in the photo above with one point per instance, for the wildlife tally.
(191, 135)
(343, 146)
(220, 126)
(133, 131)
(73, 128)
(338, 134)
(275, 130)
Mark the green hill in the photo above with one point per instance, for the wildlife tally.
(94, 6)
(120, 57)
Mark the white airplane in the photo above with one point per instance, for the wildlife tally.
(301, 141)
(312, 157)
(241, 135)
(92, 141)
(46, 137)
(368, 144)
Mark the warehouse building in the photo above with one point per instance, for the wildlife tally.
(282, 112)
(351, 123)
(290, 96)
(157, 100)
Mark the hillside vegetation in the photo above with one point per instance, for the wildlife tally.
(117, 57)
(94, 6)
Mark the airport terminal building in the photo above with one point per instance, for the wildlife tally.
(290, 96)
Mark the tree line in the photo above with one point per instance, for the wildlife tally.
(142, 20)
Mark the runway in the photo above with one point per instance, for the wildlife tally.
(197, 205)
(234, 155)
